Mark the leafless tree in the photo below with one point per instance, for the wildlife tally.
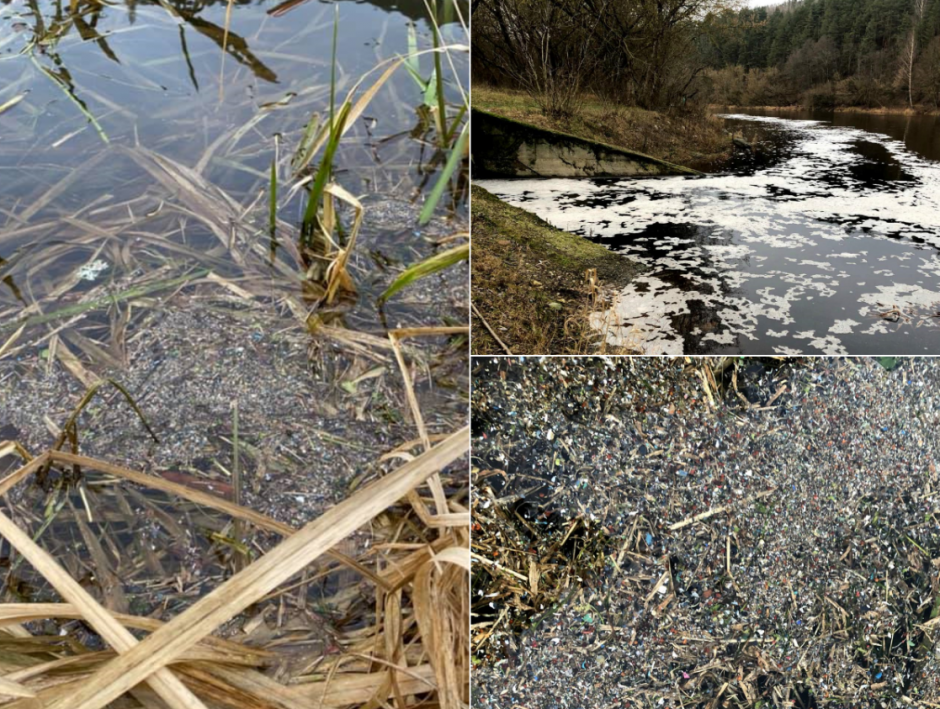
(639, 52)
(546, 47)
(909, 52)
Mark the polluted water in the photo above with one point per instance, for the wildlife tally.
(158, 160)
(816, 238)
(724, 532)
(213, 335)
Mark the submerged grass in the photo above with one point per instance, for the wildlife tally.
(50, 280)
(430, 265)
(317, 232)
(408, 643)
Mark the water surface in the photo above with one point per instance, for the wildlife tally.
(825, 240)
(135, 162)
(134, 150)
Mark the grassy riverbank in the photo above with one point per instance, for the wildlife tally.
(688, 140)
(528, 281)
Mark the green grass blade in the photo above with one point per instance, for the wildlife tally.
(70, 94)
(325, 169)
(438, 78)
(333, 66)
(456, 155)
(437, 262)
(456, 124)
(430, 91)
(78, 309)
(308, 142)
(422, 84)
(411, 61)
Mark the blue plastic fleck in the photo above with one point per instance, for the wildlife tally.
(649, 539)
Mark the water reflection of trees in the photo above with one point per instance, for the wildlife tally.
(412, 9)
(53, 22)
(49, 23)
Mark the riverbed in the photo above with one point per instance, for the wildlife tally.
(823, 240)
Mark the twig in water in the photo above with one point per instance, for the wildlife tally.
(719, 510)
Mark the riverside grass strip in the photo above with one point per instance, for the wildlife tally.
(166, 644)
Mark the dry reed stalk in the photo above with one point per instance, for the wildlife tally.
(165, 645)
(11, 340)
(22, 473)
(15, 689)
(443, 518)
(163, 682)
(200, 498)
(211, 648)
(430, 571)
(349, 690)
(338, 277)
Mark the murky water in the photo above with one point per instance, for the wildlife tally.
(824, 241)
(135, 241)
(919, 133)
(123, 162)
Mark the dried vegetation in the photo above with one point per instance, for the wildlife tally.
(232, 601)
(705, 533)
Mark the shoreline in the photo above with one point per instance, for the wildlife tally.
(883, 111)
(529, 281)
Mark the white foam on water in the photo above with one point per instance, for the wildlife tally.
(803, 244)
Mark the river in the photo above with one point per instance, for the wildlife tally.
(825, 242)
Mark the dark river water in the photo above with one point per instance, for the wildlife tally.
(826, 241)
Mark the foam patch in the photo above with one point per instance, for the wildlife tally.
(804, 256)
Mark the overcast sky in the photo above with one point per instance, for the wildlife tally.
(758, 3)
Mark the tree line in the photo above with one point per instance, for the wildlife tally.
(636, 52)
(827, 52)
(674, 54)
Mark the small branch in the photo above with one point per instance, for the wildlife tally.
(719, 510)
(489, 329)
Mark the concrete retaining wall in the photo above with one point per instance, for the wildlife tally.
(503, 147)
